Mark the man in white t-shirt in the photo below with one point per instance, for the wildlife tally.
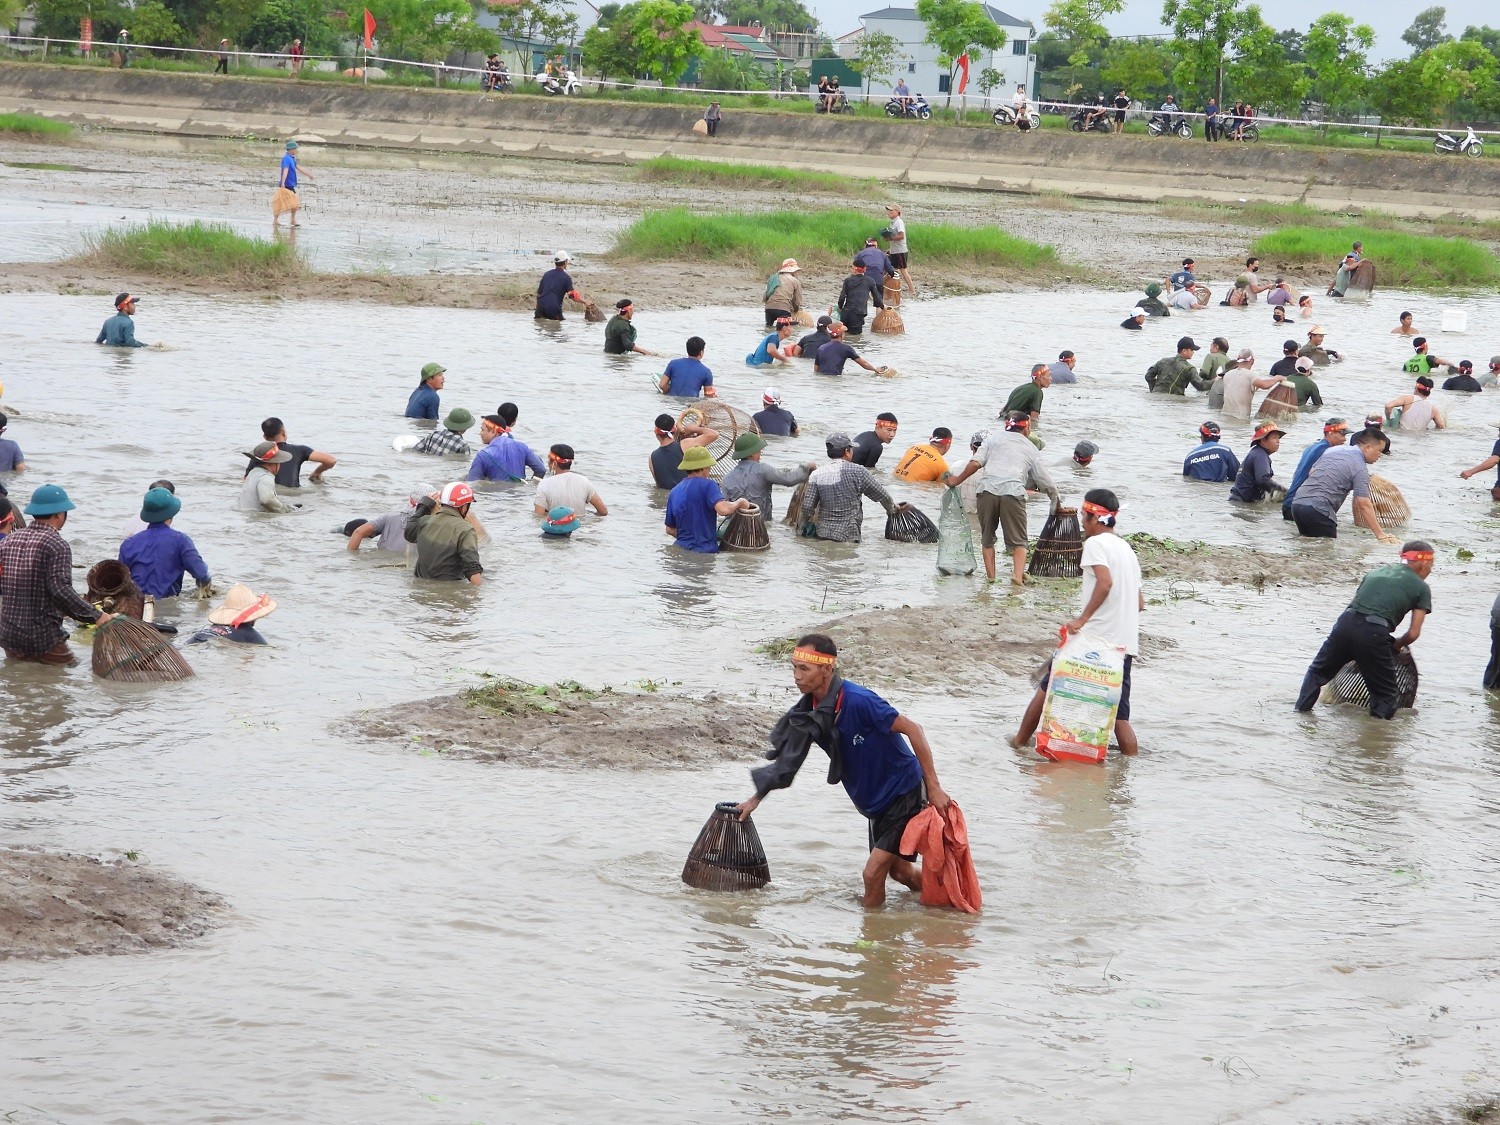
(895, 235)
(563, 488)
(1186, 300)
(1112, 605)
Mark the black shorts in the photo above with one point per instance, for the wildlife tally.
(899, 260)
(1122, 714)
(886, 829)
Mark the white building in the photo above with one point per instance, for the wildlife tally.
(919, 66)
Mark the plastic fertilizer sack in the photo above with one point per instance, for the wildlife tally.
(1078, 715)
(955, 553)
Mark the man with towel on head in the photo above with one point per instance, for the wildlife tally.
(773, 419)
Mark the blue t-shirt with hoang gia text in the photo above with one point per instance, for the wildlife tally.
(878, 764)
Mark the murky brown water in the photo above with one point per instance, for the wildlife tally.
(1262, 918)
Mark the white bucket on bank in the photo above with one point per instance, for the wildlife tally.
(1455, 321)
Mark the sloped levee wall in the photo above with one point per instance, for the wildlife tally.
(1093, 165)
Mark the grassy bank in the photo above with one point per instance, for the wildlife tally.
(1401, 259)
(30, 125)
(817, 237)
(675, 169)
(193, 250)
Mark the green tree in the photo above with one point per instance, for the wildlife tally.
(1456, 70)
(664, 46)
(421, 30)
(1260, 70)
(152, 22)
(1204, 29)
(544, 23)
(790, 14)
(280, 21)
(1396, 94)
(958, 28)
(1337, 55)
(1291, 41)
(989, 78)
(1427, 30)
(59, 19)
(879, 53)
(731, 70)
(1140, 67)
(1081, 24)
(1486, 36)
(609, 50)
(1485, 103)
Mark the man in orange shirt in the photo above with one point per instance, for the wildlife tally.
(926, 462)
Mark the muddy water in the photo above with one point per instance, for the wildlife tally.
(1264, 917)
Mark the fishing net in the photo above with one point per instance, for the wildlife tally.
(283, 201)
(729, 421)
(908, 524)
(1279, 403)
(1391, 508)
(1349, 685)
(111, 588)
(955, 553)
(793, 517)
(745, 531)
(1361, 280)
(1203, 293)
(804, 318)
(727, 856)
(888, 321)
(132, 651)
(1059, 548)
(593, 314)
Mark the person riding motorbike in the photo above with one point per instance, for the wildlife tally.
(1099, 109)
(903, 96)
(496, 76)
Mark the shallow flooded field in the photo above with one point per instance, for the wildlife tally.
(1262, 918)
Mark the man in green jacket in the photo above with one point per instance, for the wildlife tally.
(1172, 375)
(447, 544)
(619, 333)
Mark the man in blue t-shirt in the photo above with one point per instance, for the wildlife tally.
(1485, 466)
(1184, 278)
(686, 378)
(554, 286)
(832, 356)
(1335, 432)
(695, 503)
(881, 756)
(1211, 461)
(423, 402)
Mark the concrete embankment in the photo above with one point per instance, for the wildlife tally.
(1127, 168)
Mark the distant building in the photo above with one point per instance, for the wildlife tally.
(750, 42)
(923, 75)
(525, 56)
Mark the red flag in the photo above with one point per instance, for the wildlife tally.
(369, 28)
(963, 73)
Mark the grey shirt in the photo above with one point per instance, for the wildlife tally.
(1337, 473)
(1009, 464)
(392, 530)
(752, 480)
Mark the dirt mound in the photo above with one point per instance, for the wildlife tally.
(58, 905)
(567, 724)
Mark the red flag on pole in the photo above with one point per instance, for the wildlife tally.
(369, 28)
(963, 73)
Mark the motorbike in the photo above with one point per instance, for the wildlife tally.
(498, 81)
(1470, 145)
(839, 102)
(1077, 122)
(569, 84)
(1160, 123)
(915, 107)
(1006, 115)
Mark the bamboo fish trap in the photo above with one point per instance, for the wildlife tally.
(1349, 685)
(132, 651)
(729, 421)
(890, 292)
(1280, 402)
(1391, 508)
(593, 314)
(909, 524)
(745, 531)
(111, 588)
(1059, 548)
(727, 856)
(888, 321)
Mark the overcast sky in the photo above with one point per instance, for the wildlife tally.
(1143, 17)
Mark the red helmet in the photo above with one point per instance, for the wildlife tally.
(456, 495)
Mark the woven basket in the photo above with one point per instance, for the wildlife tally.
(804, 318)
(909, 524)
(132, 651)
(111, 588)
(745, 531)
(1204, 294)
(891, 292)
(727, 856)
(1059, 548)
(1349, 685)
(730, 421)
(1391, 508)
(888, 321)
(1280, 402)
(794, 507)
(593, 314)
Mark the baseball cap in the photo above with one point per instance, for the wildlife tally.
(1137, 311)
(1187, 342)
(771, 395)
(824, 321)
(836, 443)
(1084, 451)
(1289, 345)
(562, 256)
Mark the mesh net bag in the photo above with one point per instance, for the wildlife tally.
(955, 553)
(1059, 548)
(112, 589)
(909, 524)
(729, 421)
(283, 201)
(1349, 685)
(132, 651)
(727, 856)
(1391, 509)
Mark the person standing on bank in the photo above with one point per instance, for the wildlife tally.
(222, 67)
(896, 247)
(882, 758)
(1112, 608)
(36, 584)
(1363, 631)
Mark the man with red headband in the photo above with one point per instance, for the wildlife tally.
(880, 755)
(1112, 605)
(119, 330)
(1363, 631)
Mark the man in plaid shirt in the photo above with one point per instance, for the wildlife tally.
(36, 584)
(449, 437)
(836, 491)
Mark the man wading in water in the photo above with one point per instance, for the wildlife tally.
(880, 755)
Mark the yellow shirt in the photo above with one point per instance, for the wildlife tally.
(921, 462)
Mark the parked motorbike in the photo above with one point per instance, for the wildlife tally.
(1006, 115)
(1099, 125)
(914, 107)
(839, 103)
(1160, 123)
(498, 82)
(1470, 145)
(569, 84)
(1248, 131)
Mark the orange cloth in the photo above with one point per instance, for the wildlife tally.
(921, 462)
(948, 877)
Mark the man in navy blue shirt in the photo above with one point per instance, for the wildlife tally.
(686, 378)
(158, 556)
(1211, 461)
(832, 356)
(423, 402)
(775, 420)
(878, 265)
(1256, 479)
(1184, 278)
(554, 286)
(881, 757)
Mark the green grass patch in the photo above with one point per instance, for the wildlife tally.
(34, 126)
(505, 696)
(829, 238)
(678, 170)
(207, 250)
(1401, 259)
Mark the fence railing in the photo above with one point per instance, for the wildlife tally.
(448, 73)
